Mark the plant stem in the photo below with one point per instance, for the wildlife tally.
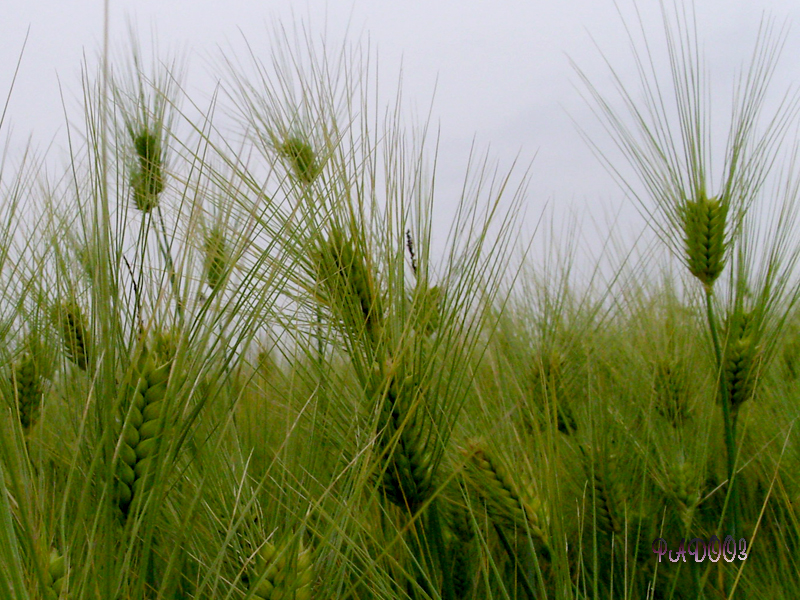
(173, 279)
(513, 555)
(437, 539)
(730, 434)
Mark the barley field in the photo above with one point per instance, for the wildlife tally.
(248, 362)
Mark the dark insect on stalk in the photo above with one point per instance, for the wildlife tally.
(410, 246)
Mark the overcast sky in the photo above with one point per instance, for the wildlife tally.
(502, 66)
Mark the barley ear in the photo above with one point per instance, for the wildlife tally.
(26, 380)
(549, 390)
(791, 357)
(704, 221)
(284, 575)
(142, 427)
(147, 179)
(74, 334)
(301, 158)
(348, 284)
(429, 309)
(685, 491)
(57, 573)
(403, 440)
(603, 496)
(741, 357)
(461, 549)
(505, 505)
(671, 392)
(217, 257)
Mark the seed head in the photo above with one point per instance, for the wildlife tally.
(704, 221)
(403, 439)
(506, 506)
(348, 284)
(429, 310)
(549, 389)
(301, 158)
(741, 357)
(216, 257)
(57, 573)
(147, 180)
(671, 391)
(141, 427)
(74, 333)
(286, 576)
(27, 385)
(603, 492)
(685, 491)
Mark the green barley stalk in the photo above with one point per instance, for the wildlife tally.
(672, 159)
(148, 106)
(351, 261)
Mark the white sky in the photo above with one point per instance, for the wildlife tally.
(501, 65)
